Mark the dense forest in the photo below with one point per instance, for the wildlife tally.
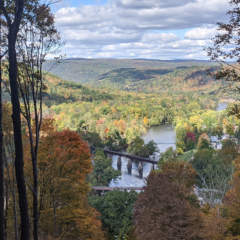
(59, 119)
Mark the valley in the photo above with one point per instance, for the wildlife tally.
(130, 100)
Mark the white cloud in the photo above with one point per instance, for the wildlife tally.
(86, 15)
(103, 37)
(201, 33)
(159, 37)
(151, 3)
(140, 28)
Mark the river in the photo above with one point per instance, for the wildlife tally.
(165, 137)
(222, 106)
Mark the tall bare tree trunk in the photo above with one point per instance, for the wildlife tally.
(13, 29)
(3, 203)
(2, 193)
(35, 198)
(19, 163)
(11, 186)
(6, 187)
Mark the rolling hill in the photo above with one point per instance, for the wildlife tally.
(138, 75)
(89, 70)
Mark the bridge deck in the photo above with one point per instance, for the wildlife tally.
(132, 157)
(103, 188)
(167, 143)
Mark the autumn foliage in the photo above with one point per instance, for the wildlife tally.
(64, 162)
(215, 224)
(232, 203)
(167, 208)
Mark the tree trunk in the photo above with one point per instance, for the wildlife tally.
(19, 163)
(35, 200)
(2, 218)
(35, 179)
(11, 186)
(6, 207)
(13, 19)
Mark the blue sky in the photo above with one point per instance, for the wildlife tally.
(78, 3)
(159, 29)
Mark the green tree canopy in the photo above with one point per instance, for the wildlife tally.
(116, 210)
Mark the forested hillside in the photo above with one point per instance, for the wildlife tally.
(124, 73)
(59, 91)
(159, 80)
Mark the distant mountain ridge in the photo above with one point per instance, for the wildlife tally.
(143, 59)
(89, 71)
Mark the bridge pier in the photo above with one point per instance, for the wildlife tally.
(129, 167)
(119, 164)
(153, 167)
(140, 170)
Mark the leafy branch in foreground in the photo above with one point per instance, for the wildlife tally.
(225, 48)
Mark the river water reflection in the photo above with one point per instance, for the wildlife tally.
(165, 137)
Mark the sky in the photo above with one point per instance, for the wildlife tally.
(153, 29)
